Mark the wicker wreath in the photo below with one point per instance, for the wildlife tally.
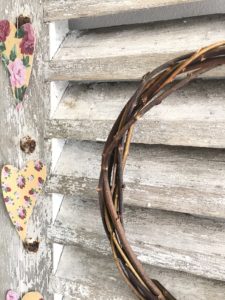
(154, 87)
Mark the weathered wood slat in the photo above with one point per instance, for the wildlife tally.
(83, 274)
(163, 239)
(127, 53)
(86, 275)
(194, 116)
(180, 179)
(60, 9)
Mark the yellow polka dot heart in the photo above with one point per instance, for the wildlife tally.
(20, 190)
(33, 296)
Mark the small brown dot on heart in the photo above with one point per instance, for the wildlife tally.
(27, 145)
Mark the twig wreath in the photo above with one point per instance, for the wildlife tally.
(154, 87)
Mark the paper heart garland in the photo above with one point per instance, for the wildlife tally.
(30, 296)
(20, 189)
(17, 53)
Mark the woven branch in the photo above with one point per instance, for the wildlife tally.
(154, 88)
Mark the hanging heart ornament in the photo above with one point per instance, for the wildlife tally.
(20, 189)
(33, 296)
(17, 52)
(29, 296)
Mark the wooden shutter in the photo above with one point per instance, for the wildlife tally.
(174, 194)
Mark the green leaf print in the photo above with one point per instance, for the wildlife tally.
(13, 53)
(5, 62)
(2, 47)
(26, 61)
(5, 59)
(19, 93)
(19, 33)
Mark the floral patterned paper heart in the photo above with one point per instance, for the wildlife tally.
(30, 296)
(33, 296)
(20, 189)
(17, 49)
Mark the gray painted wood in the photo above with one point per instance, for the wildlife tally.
(194, 116)
(172, 178)
(59, 10)
(154, 14)
(163, 239)
(83, 274)
(127, 53)
(184, 180)
(22, 271)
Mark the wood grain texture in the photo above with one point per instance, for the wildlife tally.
(163, 239)
(194, 116)
(172, 178)
(68, 9)
(20, 270)
(127, 53)
(99, 279)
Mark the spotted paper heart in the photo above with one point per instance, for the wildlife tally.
(29, 296)
(20, 189)
(17, 53)
(33, 296)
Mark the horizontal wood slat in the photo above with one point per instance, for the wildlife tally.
(55, 10)
(172, 178)
(86, 275)
(127, 53)
(164, 239)
(194, 116)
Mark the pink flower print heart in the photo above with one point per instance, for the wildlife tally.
(12, 296)
(17, 52)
